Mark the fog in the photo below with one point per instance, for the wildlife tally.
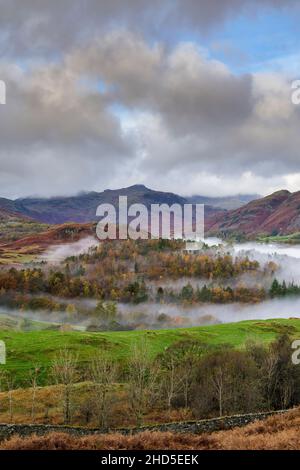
(287, 257)
(57, 253)
(216, 313)
(146, 314)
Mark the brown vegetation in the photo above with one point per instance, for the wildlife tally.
(275, 433)
(36, 243)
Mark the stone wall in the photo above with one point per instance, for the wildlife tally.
(207, 425)
(195, 427)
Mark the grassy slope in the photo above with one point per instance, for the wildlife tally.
(26, 349)
(293, 238)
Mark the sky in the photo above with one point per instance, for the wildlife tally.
(188, 96)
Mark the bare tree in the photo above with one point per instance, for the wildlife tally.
(185, 375)
(33, 380)
(281, 377)
(64, 370)
(10, 381)
(7, 382)
(103, 374)
(270, 376)
(172, 380)
(171, 383)
(218, 381)
(142, 379)
(177, 370)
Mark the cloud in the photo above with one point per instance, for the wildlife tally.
(108, 107)
(55, 138)
(198, 114)
(29, 27)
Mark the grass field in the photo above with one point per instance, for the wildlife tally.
(25, 350)
(293, 238)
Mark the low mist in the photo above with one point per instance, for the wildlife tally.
(57, 253)
(157, 315)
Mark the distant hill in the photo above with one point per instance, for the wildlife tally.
(277, 214)
(82, 207)
(16, 225)
(56, 235)
(228, 202)
(7, 215)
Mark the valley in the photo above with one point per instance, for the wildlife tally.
(85, 321)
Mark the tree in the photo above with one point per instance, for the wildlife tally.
(283, 377)
(218, 380)
(106, 312)
(136, 292)
(187, 292)
(103, 373)
(33, 380)
(141, 378)
(177, 365)
(64, 370)
(175, 377)
(204, 294)
(277, 289)
(70, 311)
(227, 381)
(7, 382)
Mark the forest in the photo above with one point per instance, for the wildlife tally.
(91, 286)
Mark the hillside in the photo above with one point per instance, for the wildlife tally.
(14, 226)
(276, 214)
(39, 347)
(35, 242)
(82, 207)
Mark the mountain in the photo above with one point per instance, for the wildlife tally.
(228, 202)
(82, 207)
(277, 214)
(7, 216)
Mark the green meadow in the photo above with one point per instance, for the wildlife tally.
(28, 349)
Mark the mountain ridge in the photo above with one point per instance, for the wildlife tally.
(275, 214)
(81, 208)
